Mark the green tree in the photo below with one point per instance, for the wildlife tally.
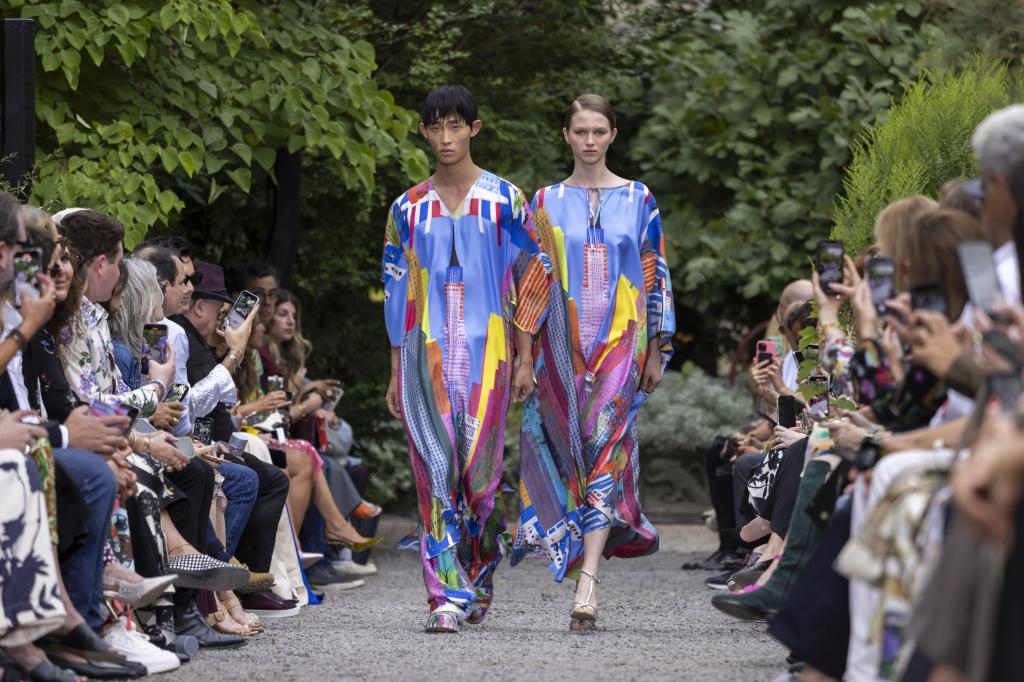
(752, 108)
(135, 97)
(923, 141)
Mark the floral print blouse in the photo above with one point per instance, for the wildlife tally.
(87, 352)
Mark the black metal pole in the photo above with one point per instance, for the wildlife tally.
(18, 103)
(284, 236)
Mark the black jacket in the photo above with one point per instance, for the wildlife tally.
(202, 361)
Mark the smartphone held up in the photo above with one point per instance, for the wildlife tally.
(239, 312)
(28, 265)
(829, 264)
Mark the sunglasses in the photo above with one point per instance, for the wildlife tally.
(196, 278)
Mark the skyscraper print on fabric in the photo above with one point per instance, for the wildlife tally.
(578, 452)
(454, 286)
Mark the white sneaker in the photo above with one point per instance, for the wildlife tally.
(352, 569)
(136, 647)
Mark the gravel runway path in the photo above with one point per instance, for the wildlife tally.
(656, 624)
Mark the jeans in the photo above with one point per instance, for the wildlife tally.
(240, 487)
(83, 568)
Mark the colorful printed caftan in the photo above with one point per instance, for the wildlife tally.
(579, 465)
(454, 285)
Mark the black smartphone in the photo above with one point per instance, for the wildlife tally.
(202, 430)
(787, 411)
(1006, 388)
(818, 403)
(239, 312)
(979, 270)
(28, 265)
(176, 393)
(154, 342)
(880, 271)
(829, 264)
(928, 297)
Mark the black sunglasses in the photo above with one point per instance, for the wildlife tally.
(196, 278)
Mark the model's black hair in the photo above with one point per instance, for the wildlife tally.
(449, 101)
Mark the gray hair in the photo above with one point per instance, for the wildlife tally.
(998, 141)
(141, 296)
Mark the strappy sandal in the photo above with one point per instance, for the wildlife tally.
(442, 622)
(251, 619)
(583, 616)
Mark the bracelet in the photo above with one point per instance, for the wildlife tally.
(162, 385)
(149, 445)
(19, 338)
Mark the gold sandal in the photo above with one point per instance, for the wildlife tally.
(583, 616)
(252, 621)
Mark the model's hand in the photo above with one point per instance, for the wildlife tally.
(391, 398)
(522, 379)
(653, 370)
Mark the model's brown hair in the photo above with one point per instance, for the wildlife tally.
(590, 102)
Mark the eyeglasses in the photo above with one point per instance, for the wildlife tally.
(196, 278)
(264, 294)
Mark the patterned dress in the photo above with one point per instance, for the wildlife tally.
(578, 453)
(454, 286)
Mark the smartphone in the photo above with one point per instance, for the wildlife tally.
(928, 297)
(333, 397)
(811, 352)
(880, 271)
(766, 351)
(787, 411)
(275, 382)
(28, 264)
(103, 408)
(154, 342)
(829, 264)
(239, 312)
(1006, 388)
(176, 393)
(818, 403)
(979, 271)
(202, 430)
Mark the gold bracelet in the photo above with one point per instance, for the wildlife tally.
(149, 445)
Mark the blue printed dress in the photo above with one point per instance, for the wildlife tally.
(578, 451)
(455, 283)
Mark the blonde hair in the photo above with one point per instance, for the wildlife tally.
(891, 227)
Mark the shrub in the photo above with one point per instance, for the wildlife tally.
(923, 141)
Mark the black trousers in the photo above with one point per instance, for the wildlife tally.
(782, 497)
(256, 546)
(814, 621)
(720, 488)
(742, 469)
(191, 513)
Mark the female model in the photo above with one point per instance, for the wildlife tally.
(601, 352)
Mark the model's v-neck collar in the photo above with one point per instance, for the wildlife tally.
(445, 211)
